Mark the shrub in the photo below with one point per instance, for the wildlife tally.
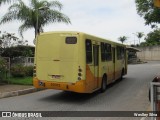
(29, 70)
(21, 71)
(3, 69)
(18, 70)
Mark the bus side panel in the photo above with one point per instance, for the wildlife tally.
(107, 66)
(120, 63)
(92, 68)
(118, 69)
(126, 61)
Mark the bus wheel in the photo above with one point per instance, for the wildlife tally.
(122, 74)
(104, 84)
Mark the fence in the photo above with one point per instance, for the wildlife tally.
(4, 67)
(26, 61)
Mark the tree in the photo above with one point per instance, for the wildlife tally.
(153, 38)
(146, 9)
(5, 1)
(139, 36)
(3, 69)
(143, 44)
(122, 39)
(20, 50)
(8, 40)
(32, 17)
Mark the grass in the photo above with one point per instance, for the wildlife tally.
(21, 81)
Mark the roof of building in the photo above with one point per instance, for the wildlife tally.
(133, 49)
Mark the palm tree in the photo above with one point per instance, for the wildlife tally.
(139, 35)
(6, 1)
(122, 39)
(32, 17)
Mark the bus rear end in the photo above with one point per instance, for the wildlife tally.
(56, 62)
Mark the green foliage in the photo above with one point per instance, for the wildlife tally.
(29, 71)
(139, 36)
(21, 81)
(132, 45)
(122, 39)
(3, 69)
(25, 51)
(8, 40)
(28, 14)
(143, 44)
(21, 71)
(153, 38)
(146, 9)
(18, 70)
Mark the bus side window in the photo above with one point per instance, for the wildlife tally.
(108, 52)
(113, 54)
(88, 51)
(102, 51)
(120, 53)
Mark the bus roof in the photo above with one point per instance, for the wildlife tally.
(81, 33)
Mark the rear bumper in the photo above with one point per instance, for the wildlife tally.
(79, 87)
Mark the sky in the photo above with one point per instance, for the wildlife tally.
(107, 19)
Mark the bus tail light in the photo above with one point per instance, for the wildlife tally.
(34, 71)
(79, 73)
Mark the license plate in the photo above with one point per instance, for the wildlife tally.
(55, 85)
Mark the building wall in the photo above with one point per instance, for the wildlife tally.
(149, 53)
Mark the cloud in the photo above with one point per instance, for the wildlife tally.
(103, 18)
(107, 19)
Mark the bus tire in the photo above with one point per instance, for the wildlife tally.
(104, 84)
(122, 73)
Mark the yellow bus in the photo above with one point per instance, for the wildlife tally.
(77, 62)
